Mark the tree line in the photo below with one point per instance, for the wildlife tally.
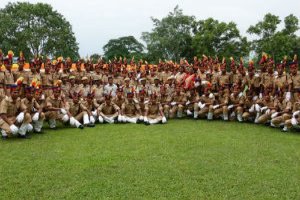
(38, 29)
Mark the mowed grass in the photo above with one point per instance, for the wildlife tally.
(184, 159)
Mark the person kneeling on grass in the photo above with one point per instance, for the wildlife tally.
(12, 121)
(56, 110)
(154, 112)
(31, 106)
(78, 111)
(91, 105)
(131, 111)
(108, 111)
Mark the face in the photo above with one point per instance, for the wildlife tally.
(223, 69)
(90, 99)
(233, 68)
(119, 93)
(56, 93)
(130, 98)
(20, 67)
(14, 94)
(270, 69)
(38, 95)
(110, 81)
(72, 81)
(293, 70)
(107, 100)
(29, 95)
(280, 70)
(85, 81)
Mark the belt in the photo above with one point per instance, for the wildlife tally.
(296, 90)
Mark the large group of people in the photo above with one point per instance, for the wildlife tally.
(82, 94)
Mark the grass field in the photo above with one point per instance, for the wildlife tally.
(183, 159)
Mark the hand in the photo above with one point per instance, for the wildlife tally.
(20, 117)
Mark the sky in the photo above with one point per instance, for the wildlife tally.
(95, 22)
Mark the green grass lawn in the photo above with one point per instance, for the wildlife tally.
(184, 159)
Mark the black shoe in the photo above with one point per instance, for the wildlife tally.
(147, 123)
(90, 125)
(4, 137)
(81, 126)
(38, 132)
(24, 136)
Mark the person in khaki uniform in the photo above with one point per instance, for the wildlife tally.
(143, 86)
(224, 78)
(76, 109)
(192, 107)
(268, 79)
(119, 98)
(281, 80)
(85, 87)
(155, 88)
(206, 101)
(294, 120)
(154, 112)
(268, 107)
(31, 106)
(2, 85)
(13, 120)
(130, 110)
(221, 108)
(73, 87)
(177, 104)
(91, 105)
(47, 80)
(165, 100)
(97, 89)
(127, 88)
(108, 111)
(284, 113)
(55, 108)
(294, 82)
(34, 74)
(238, 105)
(8, 78)
(142, 101)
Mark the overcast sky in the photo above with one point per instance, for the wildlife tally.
(95, 22)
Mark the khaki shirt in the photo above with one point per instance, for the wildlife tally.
(108, 109)
(30, 106)
(130, 109)
(10, 108)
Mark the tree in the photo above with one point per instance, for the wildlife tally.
(171, 37)
(274, 42)
(219, 38)
(124, 46)
(36, 29)
(95, 57)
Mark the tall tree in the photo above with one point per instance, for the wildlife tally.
(171, 37)
(36, 29)
(219, 38)
(277, 43)
(95, 57)
(124, 46)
